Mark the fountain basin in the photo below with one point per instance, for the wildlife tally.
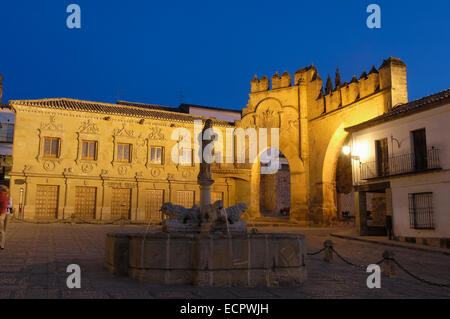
(209, 260)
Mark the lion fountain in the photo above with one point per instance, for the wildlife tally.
(207, 245)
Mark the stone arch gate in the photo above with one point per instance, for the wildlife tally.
(312, 126)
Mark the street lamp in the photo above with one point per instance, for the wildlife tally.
(346, 150)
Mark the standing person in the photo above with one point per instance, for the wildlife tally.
(4, 203)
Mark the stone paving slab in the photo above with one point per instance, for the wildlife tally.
(33, 265)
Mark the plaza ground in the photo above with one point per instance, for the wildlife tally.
(33, 265)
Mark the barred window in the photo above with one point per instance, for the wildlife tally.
(421, 210)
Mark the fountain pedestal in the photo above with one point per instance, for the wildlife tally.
(210, 260)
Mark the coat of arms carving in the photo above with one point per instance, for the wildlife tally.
(156, 134)
(123, 132)
(89, 127)
(51, 125)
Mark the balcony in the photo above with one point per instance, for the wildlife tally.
(401, 164)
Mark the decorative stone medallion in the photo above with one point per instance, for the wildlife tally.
(122, 170)
(49, 165)
(86, 167)
(155, 172)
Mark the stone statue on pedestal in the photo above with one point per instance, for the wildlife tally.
(207, 217)
(205, 168)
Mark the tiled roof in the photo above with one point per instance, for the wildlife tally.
(113, 109)
(149, 106)
(410, 108)
(185, 108)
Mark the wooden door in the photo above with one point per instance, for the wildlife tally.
(420, 149)
(215, 196)
(47, 201)
(85, 202)
(121, 203)
(153, 201)
(185, 198)
(382, 155)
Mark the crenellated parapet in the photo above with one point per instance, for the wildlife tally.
(259, 85)
(278, 82)
(322, 99)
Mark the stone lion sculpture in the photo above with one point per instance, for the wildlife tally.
(234, 213)
(181, 214)
(179, 218)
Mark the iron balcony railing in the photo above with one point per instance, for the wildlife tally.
(401, 164)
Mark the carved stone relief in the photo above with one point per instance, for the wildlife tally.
(156, 134)
(87, 167)
(49, 165)
(51, 125)
(123, 131)
(88, 127)
(122, 170)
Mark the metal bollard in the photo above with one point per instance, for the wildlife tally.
(388, 264)
(72, 219)
(328, 255)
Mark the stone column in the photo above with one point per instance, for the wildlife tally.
(205, 193)
(361, 213)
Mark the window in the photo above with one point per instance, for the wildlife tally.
(421, 210)
(124, 152)
(186, 156)
(51, 147)
(89, 150)
(156, 154)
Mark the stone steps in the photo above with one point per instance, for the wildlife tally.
(271, 222)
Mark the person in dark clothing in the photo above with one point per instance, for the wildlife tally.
(4, 204)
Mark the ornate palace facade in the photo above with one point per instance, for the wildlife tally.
(103, 161)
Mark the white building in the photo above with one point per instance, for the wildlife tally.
(403, 158)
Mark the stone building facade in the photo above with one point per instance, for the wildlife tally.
(103, 161)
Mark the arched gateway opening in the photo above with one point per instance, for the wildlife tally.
(275, 188)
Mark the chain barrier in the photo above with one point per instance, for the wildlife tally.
(317, 252)
(387, 256)
(364, 267)
(417, 277)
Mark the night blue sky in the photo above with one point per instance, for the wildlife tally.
(210, 50)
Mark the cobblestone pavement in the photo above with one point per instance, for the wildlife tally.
(33, 265)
